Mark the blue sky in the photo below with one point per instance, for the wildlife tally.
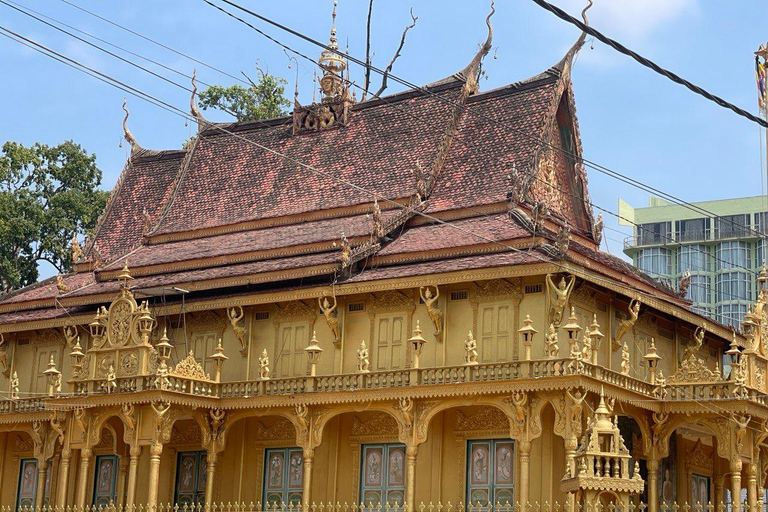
(631, 119)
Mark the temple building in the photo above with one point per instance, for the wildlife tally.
(399, 302)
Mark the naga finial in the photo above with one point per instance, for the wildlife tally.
(126, 132)
(584, 12)
(192, 105)
(472, 71)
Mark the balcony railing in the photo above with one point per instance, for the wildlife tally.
(434, 376)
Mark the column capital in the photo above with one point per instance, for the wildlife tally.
(735, 464)
(86, 453)
(156, 449)
(652, 463)
(135, 451)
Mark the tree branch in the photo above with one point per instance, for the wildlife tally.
(368, 53)
(394, 58)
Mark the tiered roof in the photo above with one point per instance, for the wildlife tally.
(252, 206)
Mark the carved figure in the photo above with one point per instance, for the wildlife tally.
(563, 240)
(76, 250)
(60, 284)
(363, 359)
(111, 384)
(264, 365)
(3, 353)
(160, 409)
(15, 386)
(624, 359)
(685, 283)
(660, 391)
(627, 323)
(302, 412)
(742, 422)
(422, 181)
(470, 350)
(434, 312)
(405, 406)
(558, 296)
(599, 229)
(378, 225)
(519, 399)
(698, 342)
(331, 316)
(346, 252)
(551, 348)
(235, 317)
(576, 402)
(586, 349)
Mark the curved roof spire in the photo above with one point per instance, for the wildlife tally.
(472, 72)
(126, 132)
(565, 64)
(193, 106)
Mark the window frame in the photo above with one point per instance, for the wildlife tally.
(384, 488)
(492, 487)
(290, 495)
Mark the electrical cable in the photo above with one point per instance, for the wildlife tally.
(424, 90)
(648, 63)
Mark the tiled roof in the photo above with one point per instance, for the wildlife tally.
(326, 230)
(47, 288)
(141, 188)
(458, 233)
(230, 179)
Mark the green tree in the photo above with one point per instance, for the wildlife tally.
(262, 100)
(47, 194)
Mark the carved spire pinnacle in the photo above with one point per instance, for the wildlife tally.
(333, 65)
(472, 71)
(193, 105)
(126, 132)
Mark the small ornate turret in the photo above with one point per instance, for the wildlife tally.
(605, 470)
(333, 109)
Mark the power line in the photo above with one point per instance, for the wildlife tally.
(648, 63)
(166, 106)
(474, 146)
(425, 91)
(155, 42)
(455, 137)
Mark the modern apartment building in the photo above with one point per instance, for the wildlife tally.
(722, 245)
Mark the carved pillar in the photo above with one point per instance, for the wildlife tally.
(133, 467)
(155, 450)
(652, 463)
(42, 469)
(735, 484)
(719, 489)
(82, 483)
(122, 470)
(571, 444)
(752, 486)
(411, 450)
(309, 458)
(61, 488)
(525, 470)
(210, 470)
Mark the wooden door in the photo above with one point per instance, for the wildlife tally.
(293, 337)
(390, 342)
(495, 337)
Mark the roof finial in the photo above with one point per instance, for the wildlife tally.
(333, 64)
(126, 132)
(192, 105)
(296, 82)
(472, 71)
(565, 64)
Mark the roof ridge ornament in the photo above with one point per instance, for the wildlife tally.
(472, 72)
(126, 132)
(193, 106)
(565, 64)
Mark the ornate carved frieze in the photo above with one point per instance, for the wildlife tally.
(190, 368)
(321, 116)
(281, 430)
(487, 420)
(188, 435)
(498, 289)
(294, 311)
(379, 426)
(392, 301)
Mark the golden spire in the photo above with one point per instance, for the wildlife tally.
(333, 64)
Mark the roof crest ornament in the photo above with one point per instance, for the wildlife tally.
(472, 71)
(565, 64)
(126, 132)
(193, 106)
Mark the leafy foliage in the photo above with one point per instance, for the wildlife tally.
(47, 194)
(262, 100)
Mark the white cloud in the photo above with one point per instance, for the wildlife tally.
(632, 19)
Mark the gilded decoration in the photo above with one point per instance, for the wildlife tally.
(692, 368)
(281, 430)
(627, 323)
(378, 426)
(49, 337)
(486, 421)
(236, 316)
(187, 435)
(698, 460)
(558, 294)
(498, 289)
(433, 308)
(295, 311)
(391, 301)
(331, 314)
(190, 368)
